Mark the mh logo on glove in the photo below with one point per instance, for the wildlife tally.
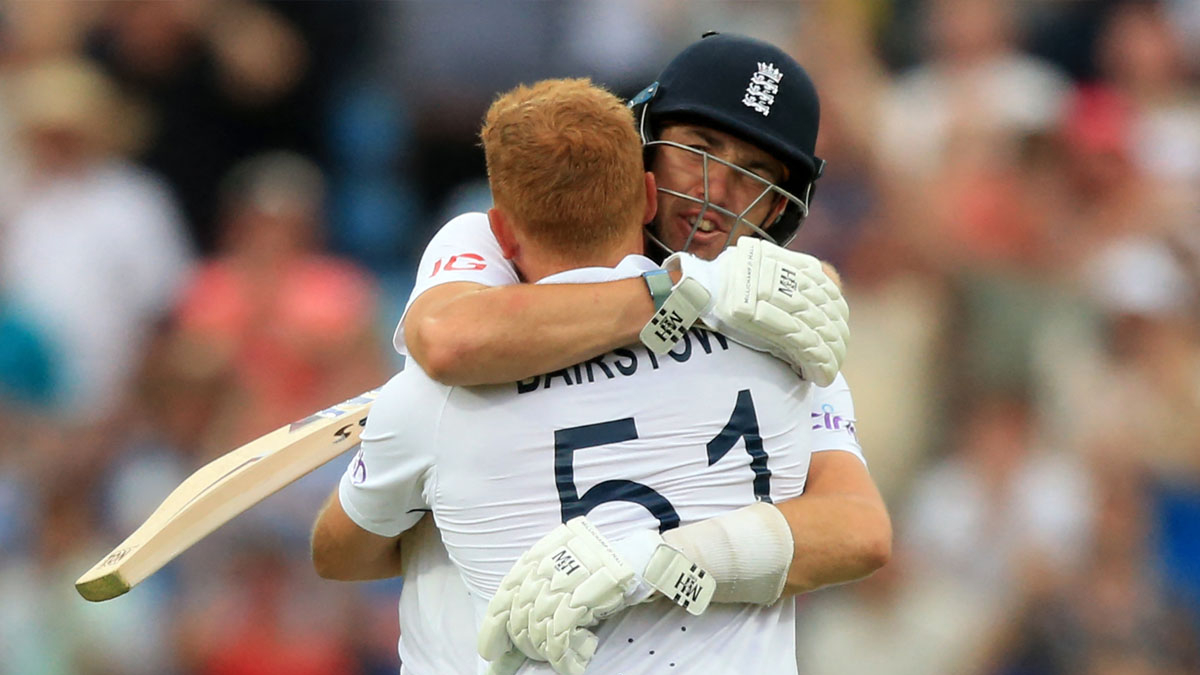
(787, 280)
(565, 562)
(687, 586)
(678, 313)
(669, 326)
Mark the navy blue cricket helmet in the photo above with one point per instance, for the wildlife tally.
(754, 91)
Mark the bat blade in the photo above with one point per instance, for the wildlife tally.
(224, 488)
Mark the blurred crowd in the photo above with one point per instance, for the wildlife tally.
(210, 211)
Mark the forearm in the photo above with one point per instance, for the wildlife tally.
(344, 552)
(496, 335)
(836, 538)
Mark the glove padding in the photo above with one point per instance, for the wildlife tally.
(569, 581)
(775, 300)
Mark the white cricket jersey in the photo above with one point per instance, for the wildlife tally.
(632, 440)
(434, 603)
(435, 611)
(465, 249)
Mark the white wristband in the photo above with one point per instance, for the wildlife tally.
(748, 552)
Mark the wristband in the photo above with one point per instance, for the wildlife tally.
(748, 551)
(659, 284)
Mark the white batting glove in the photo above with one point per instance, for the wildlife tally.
(569, 581)
(774, 300)
(543, 578)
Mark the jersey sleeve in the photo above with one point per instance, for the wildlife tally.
(463, 250)
(833, 421)
(385, 490)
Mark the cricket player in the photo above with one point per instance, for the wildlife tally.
(730, 128)
(468, 322)
(501, 465)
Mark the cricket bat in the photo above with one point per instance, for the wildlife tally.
(224, 488)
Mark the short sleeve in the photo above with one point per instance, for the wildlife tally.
(463, 250)
(833, 421)
(385, 489)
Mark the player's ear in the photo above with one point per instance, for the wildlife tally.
(651, 199)
(502, 229)
(781, 204)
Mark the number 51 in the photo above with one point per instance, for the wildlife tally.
(742, 424)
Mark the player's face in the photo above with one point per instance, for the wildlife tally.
(743, 192)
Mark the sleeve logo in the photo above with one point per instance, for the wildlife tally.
(463, 262)
(828, 420)
(358, 469)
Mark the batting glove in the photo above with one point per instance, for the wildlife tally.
(570, 580)
(774, 300)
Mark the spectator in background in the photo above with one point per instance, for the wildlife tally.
(1141, 55)
(1039, 241)
(267, 618)
(1116, 615)
(1117, 253)
(975, 89)
(1141, 390)
(900, 308)
(95, 249)
(28, 369)
(286, 328)
(917, 623)
(265, 332)
(222, 80)
(268, 330)
(951, 128)
(998, 503)
(995, 517)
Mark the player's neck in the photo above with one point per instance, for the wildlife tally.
(538, 266)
